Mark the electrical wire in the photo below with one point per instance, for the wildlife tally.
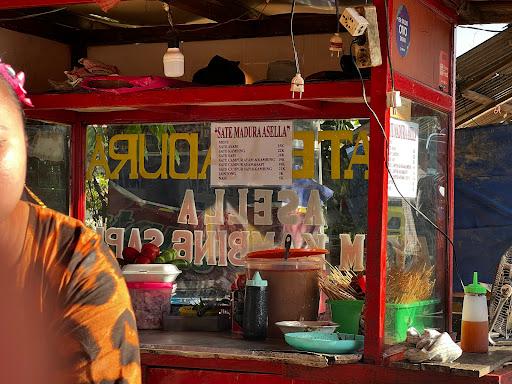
(239, 18)
(389, 172)
(481, 29)
(337, 16)
(297, 66)
(391, 70)
(169, 17)
(33, 15)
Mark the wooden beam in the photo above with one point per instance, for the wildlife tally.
(481, 77)
(215, 10)
(43, 28)
(487, 12)
(477, 112)
(477, 97)
(271, 26)
(485, 100)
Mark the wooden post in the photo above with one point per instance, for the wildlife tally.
(375, 308)
(78, 149)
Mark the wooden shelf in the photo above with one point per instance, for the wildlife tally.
(263, 101)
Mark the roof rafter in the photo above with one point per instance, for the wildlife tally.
(220, 11)
(271, 26)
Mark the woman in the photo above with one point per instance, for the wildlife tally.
(68, 309)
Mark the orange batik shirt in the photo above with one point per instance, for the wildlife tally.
(73, 284)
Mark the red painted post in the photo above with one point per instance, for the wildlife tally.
(378, 196)
(78, 147)
(451, 195)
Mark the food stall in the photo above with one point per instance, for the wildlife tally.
(216, 172)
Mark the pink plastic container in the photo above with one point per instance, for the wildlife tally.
(150, 302)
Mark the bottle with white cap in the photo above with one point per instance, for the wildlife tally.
(255, 320)
(475, 318)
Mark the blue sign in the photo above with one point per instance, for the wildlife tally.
(403, 31)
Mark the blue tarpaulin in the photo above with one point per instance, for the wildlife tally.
(483, 199)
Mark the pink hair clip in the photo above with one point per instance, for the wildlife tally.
(16, 81)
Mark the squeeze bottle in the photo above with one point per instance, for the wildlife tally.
(475, 318)
(255, 308)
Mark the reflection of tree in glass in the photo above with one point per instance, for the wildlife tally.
(344, 206)
(97, 186)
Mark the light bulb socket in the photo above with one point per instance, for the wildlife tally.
(173, 42)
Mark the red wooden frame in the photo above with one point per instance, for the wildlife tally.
(233, 96)
(375, 301)
(321, 100)
(161, 368)
(78, 161)
(423, 94)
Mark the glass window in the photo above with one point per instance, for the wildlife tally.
(138, 177)
(48, 172)
(417, 251)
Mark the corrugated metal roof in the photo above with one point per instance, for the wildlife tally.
(484, 82)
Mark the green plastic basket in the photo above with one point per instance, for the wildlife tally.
(399, 317)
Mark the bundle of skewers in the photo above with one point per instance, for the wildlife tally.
(409, 285)
(342, 284)
(404, 285)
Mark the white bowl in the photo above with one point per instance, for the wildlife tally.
(307, 326)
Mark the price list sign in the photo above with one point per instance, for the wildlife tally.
(403, 158)
(251, 153)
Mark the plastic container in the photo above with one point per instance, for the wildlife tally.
(475, 318)
(399, 317)
(346, 313)
(153, 273)
(293, 292)
(334, 343)
(150, 302)
(256, 308)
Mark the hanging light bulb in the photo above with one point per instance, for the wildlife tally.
(336, 44)
(174, 60)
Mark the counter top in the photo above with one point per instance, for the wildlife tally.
(220, 345)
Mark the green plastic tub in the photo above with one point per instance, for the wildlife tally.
(399, 317)
(346, 313)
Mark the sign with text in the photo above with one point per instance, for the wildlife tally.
(403, 158)
(251, 153)
(403, 31)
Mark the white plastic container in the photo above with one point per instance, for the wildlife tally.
(475, 318)
(153, 273)
(174, 63)
(151, 301)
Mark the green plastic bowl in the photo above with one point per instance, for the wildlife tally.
(334, 343)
